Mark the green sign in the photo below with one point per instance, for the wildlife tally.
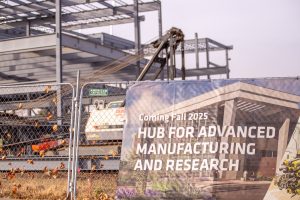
(98, 92)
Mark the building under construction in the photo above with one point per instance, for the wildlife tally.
(38, 44)
(42, 42)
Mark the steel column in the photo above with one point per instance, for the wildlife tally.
(28, 31)
(182, 61)
(227, 64)
(197, 52)
(160, 34)
(58, 57)
(137, 32)
(58, 42)
(207, 55)
(172, 59)
(167, 63)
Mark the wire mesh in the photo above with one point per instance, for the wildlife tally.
(101, 131)
(35, 130)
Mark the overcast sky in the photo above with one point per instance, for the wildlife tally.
(265, 33)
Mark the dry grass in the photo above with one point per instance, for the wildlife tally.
(97, 185)
(100, 186)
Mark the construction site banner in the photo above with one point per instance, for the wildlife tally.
(212, 139)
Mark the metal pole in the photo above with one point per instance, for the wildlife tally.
(74, 92)
(167, 63)
(207, 55)
(172, 60)
(28, 110)
(58, 58)
(197, 52)
(76, 119)
(28, 31)
(160, 34)
(111, 27)
(227, 64)
(76, 149)
(137, 34)
(182, 60)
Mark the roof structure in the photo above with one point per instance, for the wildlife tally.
(250, 98)
(76, 14)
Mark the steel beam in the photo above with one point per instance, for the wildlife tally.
(25, 8)
(45, 70)
(49, 68)
(8, 90)
(4, 76)
(84, 15)
(137, 35)
(72, 58)
(27, 44)
(44, 42)
(91, 47)
(12, 57)
(207, 56)
(197, 52)
(205, 71)
(38, 164)
(160, 33)
(218, 44)
(14, 106)
(120, 10)
(101, 23)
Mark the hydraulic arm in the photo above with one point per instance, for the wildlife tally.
(167, 44)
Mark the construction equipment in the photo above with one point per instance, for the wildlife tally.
(168, 43)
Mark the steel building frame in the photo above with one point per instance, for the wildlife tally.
(38, 44)
(39, 25)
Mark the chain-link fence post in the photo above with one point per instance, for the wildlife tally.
(71, 129)
(99, 134)
(72, 139)
(77, 134)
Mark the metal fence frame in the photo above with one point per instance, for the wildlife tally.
(77, 122)
(58, 85)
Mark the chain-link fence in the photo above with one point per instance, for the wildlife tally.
(100, 124)
(38, 144)
(35, 130)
